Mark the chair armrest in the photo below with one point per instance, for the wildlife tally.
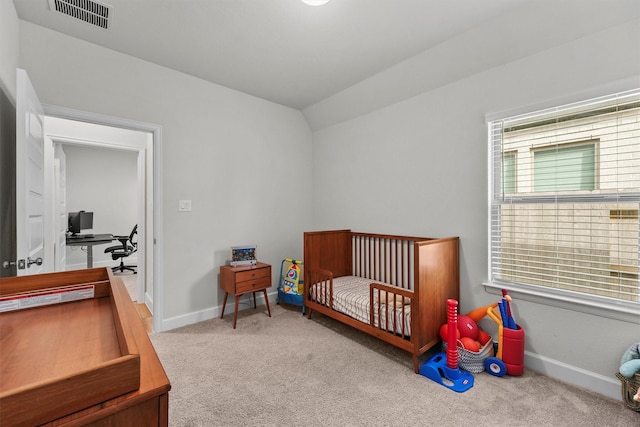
(122, 246)
(112, 248)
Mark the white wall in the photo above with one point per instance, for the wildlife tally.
(419, 167)
(9, 42)
(236, 157)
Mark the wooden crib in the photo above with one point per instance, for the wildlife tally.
(392, 287)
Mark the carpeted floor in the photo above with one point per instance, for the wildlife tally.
(287, 371)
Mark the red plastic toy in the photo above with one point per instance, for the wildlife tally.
(509, 357)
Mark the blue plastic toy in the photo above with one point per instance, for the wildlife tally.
(443, 367)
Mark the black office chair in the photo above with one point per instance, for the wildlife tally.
(128, 245)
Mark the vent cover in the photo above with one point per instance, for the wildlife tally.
(89, 11)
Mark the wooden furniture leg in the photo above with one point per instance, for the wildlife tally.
(265, 300)
(255, 305)
(224, 303)
(235, 313)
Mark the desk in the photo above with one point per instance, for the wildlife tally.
(90, 242)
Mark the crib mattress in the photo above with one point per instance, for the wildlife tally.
(351, 297)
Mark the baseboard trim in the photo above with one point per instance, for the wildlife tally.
(213, 312)
(148, 301)
(591, 381)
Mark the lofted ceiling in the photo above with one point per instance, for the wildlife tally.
(280, 50)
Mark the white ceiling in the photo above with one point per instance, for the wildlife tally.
(280, 50)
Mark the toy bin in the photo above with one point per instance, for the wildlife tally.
(472, 361)
(513, 350)
(630, 387)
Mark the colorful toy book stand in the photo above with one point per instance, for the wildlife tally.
(291, 288)
(443, 368)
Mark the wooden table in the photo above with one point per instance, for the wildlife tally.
(84, 360)
(243, 280)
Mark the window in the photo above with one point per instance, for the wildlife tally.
(565, 193)
(564, 168)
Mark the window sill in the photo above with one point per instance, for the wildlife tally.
(618, 310)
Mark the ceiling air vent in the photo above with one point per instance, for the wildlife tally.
(89, 11)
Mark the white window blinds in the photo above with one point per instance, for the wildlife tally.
(565, 194)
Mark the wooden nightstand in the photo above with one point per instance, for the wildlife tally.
(242, 280)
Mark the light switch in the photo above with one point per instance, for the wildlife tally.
(184, 206)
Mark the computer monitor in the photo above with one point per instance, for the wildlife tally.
(79, 221)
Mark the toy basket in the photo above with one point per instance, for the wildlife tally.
(629, 389)
(472, 361)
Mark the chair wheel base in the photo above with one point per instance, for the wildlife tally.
(122, 268)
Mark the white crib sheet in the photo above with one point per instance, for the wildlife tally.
(351, 297)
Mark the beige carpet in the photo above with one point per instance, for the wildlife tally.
(287, 371)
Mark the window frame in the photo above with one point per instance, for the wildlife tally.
(602, 306)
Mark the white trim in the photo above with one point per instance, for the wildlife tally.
(141, 179)
(601, 307)
(156, 270)
(117, 145)
(214, 312)
(597, 383)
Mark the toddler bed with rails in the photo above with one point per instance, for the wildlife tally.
(394, 288)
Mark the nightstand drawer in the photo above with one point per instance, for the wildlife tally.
(253, 285)
(253, 274)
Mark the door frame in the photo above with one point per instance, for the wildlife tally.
(153, 212)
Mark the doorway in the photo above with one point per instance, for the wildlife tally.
(107, 133)
(103, 182)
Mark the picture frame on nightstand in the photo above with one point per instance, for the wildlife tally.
(243, 255)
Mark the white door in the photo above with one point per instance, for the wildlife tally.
(29, 178)
(60, 201)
